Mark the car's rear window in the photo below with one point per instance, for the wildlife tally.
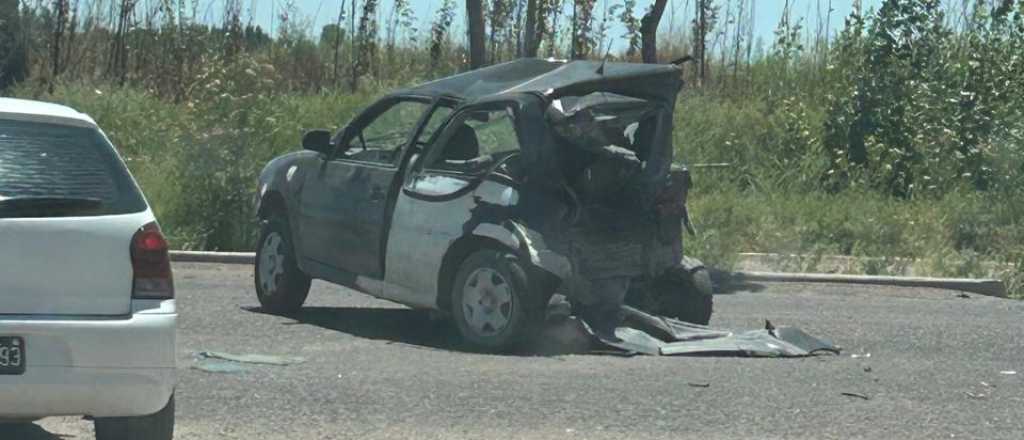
(52, 170)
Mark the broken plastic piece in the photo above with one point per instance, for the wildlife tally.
(857, 395)
(218, 366)
(265, 359)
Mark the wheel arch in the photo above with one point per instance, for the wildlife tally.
(453, 258)
(272, 202)
(462, 248)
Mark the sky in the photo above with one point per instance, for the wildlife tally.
(317, 13)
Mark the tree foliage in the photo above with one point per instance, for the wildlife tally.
(920, 109)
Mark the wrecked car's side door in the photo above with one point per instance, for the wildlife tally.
(465, 179)
(344, 200)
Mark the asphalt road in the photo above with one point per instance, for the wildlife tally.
(377, 370)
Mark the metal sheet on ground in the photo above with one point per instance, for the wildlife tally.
(658, 335)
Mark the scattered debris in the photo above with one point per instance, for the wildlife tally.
(857, 395)
(699, 384)
(658, 335)
(264, 359)
(218, 366)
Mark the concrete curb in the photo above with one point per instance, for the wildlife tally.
(989, 287)
(213, 257)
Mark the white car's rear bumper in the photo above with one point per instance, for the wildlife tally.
(103, 367)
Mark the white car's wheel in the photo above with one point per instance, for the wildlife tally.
(158, 426)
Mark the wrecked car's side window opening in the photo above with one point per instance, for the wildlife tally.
(381, 140)
(476, 140)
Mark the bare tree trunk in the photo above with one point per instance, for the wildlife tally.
(337, 42)
(573, 46)
(517, 30)
(738, 40)
(61, 9)
(354, 79)
(531, 38)
(701, 37)
(477, 49)
(554, 9)
(649, 31)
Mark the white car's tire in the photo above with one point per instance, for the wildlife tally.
(158, 426)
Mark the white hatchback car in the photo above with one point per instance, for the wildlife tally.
(87, 313)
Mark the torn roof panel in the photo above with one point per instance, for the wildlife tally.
(557, 78)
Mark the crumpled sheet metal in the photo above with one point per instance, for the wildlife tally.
(656, 335)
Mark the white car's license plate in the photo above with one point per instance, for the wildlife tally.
(12, 355)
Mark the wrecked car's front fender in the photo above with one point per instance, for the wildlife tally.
(280, 178)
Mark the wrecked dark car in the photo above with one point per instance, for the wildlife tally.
(482, 194)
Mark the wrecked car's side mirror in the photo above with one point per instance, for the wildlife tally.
(317, 140)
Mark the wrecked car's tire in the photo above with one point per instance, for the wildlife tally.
(493, 303)
(158, 426)
(685, 293)
(281, 287)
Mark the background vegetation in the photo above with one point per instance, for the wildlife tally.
(900, 137)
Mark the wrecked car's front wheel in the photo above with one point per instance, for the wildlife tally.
(281, 287)
(492, 304)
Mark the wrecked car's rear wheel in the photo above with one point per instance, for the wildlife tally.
(281, 287)
(683, 292)
(492, 304)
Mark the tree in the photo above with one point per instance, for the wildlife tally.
(582, 27)
(531, 35)
(649, 31)
(333, 33)
(13, 58)
(706, 15)
(477, 50)
(439, 32)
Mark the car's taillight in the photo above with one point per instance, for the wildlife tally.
(151, 264)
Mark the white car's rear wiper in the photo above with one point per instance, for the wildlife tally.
(21, 205)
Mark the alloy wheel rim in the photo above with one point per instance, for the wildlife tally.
(271, 263)
(487, 302)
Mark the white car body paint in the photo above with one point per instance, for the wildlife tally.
(65, 288)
